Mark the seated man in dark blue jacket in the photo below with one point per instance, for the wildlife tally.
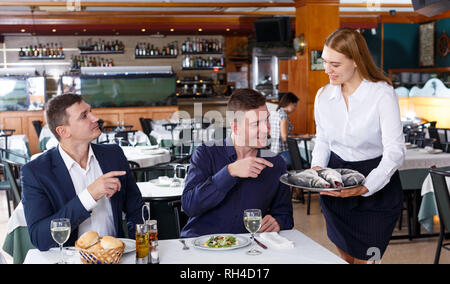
(87, 183)
(236, 174)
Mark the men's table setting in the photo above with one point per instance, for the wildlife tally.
(299, 250)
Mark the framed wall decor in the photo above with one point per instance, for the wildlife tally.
(316, 60)
(426, 44)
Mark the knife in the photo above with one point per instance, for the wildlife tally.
(260, 244)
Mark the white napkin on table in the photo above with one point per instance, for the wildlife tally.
(276, 240)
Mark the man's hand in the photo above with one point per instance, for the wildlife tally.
(269, 224)
(248, 167)
(107, 185)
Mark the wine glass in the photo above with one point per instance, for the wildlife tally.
(175, 181)
(132, 139)
(60, 230)
(111, 138)
(252, 222)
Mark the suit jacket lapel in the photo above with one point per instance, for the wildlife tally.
(62, 175)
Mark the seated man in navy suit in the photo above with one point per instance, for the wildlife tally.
(237, 173)
(90, 184)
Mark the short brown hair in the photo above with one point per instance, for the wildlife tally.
(55, 110)
(286, 99)
(245, 99)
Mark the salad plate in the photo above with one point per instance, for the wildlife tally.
(220, 242)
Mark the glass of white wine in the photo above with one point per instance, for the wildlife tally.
(60, 229)
(252, 222)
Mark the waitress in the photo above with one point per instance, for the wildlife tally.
(359, 127)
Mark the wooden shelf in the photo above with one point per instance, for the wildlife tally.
(101, 52)
(155, 57)
(199, 53)
(41, 58)
(202, 68)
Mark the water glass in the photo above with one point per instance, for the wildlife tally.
(252, 222)
(60, 230)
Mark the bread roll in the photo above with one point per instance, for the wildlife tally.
(88, 239)
(109, 242)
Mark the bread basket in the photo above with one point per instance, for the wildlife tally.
(100, 255)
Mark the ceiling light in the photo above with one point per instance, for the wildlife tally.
(84, 30)
(143, 30)
(54, 30)
(200, 29)
(172, 30)
(23, 30)
(228, 29)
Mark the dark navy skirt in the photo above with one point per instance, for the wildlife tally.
(362, 226)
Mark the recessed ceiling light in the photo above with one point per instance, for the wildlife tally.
(200, 29)
(54, 30)
(84, 30)
(172, 30)
(143, 30)
(228, 29)
(23, 30)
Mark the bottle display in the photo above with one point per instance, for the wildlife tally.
(149, 50)
(42, 51)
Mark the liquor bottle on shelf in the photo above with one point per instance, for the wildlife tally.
(42, 51)
(149, 50)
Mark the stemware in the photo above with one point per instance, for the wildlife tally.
(252, 222)
(60, 230)
(132, 139)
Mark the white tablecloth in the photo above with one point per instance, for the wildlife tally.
(416, 159)
(17, 219)
(151, 189)
(147, 156)
(16, 142)
(170, 252)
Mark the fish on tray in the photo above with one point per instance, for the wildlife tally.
(332, 176)
(352, 179)
(308, 179)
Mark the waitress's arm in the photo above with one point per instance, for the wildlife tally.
(284, 129)
(393, 143)
(321, 152)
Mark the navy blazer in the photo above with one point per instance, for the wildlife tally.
(48, 193)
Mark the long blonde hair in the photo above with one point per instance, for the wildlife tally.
(353, 45)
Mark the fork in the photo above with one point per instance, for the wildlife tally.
(185, 246)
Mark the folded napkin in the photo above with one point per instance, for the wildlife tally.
(273, 238)
(153, 151)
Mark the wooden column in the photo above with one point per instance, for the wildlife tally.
(316, 19)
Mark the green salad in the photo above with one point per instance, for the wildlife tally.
(221, 242)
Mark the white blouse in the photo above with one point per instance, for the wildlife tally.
(369, 128)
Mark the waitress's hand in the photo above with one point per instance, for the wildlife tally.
(356, 191)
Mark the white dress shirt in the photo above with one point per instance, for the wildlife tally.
(101, 220)
(369, 128)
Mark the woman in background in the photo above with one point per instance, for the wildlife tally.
(281, 126)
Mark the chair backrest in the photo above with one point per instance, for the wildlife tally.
(37, 126)
(434, 134)
(11, 177)
(146, 124)
(148, 173)
(295, 154)
(442, 195)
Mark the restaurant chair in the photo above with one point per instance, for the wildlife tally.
(297, 164)
(11, 176)
(179, 218)
(146, 124)
(37, 124)
(442, 196)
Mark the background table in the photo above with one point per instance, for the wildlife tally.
(150, 190)
(170, 252)
(147, 156)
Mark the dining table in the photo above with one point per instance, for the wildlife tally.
(305, 251)
(146, 156)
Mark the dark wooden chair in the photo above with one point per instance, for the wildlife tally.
(443, 204)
